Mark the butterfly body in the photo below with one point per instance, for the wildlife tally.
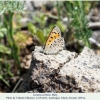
(55, 42)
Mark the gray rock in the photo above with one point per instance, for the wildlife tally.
(85, 69)
(64, 72)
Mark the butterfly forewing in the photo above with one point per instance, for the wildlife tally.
(55, 42)
(54, 34)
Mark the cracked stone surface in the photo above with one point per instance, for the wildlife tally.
(64, 72)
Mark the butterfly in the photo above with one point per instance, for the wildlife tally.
(54, 42)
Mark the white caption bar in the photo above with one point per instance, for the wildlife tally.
(49, 96)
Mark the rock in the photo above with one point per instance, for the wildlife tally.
(64, 72)
(25, 63)
(85, 69)
(95, 38)
(94, 25)
(95, 12)
(38, 3)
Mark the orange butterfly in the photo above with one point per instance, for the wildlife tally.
(55, 42)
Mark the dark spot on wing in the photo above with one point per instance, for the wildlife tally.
(55, 37)
(54, 32)
(55, 41)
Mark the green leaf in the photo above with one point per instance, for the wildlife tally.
(37, 19)
(4, 49)
(3, 30)
(61, 26)
(1, 78)
(40, 35)
(32, 28)
(1, 35)
(1, 59)
(8, 69)
(11, 6)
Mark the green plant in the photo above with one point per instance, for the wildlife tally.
(43, 32)
(4, 65)
(79, 23)
(5, 71)
(8, 8)
(40, 18)
(3, 31)
(58, 9)
(4, 50)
